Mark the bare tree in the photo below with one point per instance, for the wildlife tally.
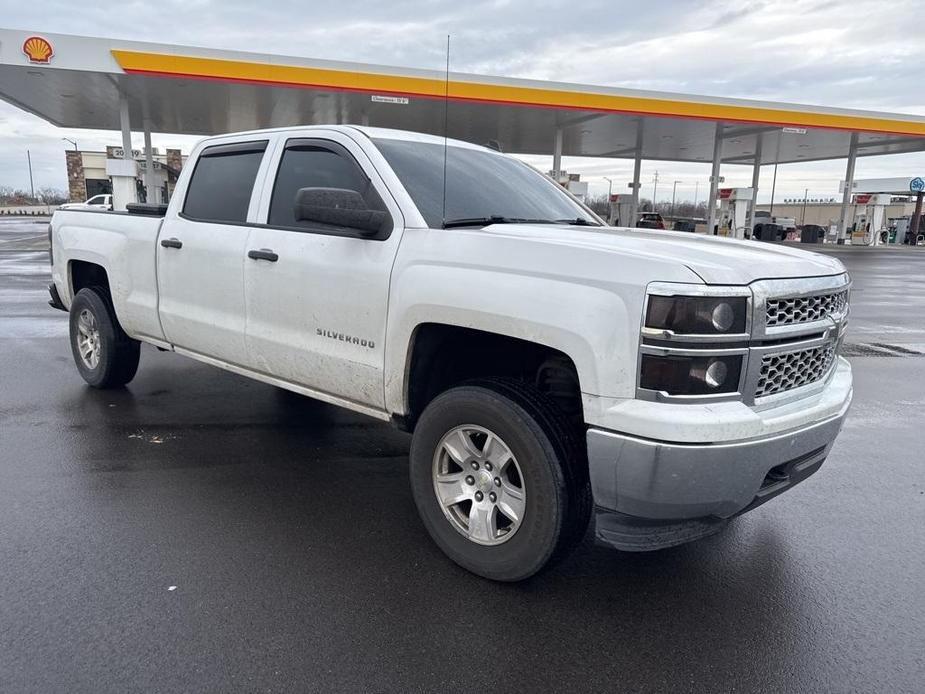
(599, 204)
(51, 196)
(8, 196)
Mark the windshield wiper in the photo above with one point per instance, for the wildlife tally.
(578, 222)
(494, 219)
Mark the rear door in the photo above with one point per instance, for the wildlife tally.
(201, 252)
(316, 310)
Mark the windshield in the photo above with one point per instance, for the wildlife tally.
(481, 187)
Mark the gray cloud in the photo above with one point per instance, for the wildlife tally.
(863, 55)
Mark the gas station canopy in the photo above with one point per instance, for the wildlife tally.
(78, 82)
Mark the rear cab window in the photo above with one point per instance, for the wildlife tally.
(222, 183)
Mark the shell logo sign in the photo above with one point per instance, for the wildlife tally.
(37, 49)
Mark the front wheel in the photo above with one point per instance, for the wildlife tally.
(105, 356)
(499, 478)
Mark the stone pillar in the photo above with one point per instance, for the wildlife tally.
(174, 166)
(76, 179)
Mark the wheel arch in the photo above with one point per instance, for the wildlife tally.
(441, 354)
(86, 273)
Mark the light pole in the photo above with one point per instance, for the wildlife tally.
(803, 213)
(609, 202)
(73, 142)
(31, 184)
(674, 190)
(655, 193)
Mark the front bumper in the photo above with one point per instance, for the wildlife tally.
(651, 493)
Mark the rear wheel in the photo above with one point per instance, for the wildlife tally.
(105, 356)
(496, 472)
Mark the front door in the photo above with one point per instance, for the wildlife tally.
(201, 253)
(317, 296)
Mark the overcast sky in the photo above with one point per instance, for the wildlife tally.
(862, 54)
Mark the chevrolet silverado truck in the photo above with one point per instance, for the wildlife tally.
(552, 370)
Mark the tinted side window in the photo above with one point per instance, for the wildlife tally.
(222, 183)
(313, 165)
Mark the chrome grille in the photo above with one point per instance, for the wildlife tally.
(805, 309)
(782, 372)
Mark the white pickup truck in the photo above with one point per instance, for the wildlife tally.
(97, 202)
(551, 369)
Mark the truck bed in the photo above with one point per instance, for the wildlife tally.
(125, 246)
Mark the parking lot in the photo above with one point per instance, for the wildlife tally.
(199, 531)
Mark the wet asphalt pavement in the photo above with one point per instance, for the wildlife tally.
(288, 531)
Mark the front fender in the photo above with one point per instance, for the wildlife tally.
(586, 322)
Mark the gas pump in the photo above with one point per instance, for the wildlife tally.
(621, 211)
(898, 229)
(869, 219)
(733, 211)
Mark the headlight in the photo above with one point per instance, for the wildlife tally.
(689, 375)
(697, 315)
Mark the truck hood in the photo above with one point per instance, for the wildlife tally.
(716, 260)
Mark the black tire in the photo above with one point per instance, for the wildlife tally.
(118, 355)
(550, 455)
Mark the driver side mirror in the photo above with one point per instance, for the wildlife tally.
(338, 207)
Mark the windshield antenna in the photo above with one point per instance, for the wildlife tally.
(446, 117)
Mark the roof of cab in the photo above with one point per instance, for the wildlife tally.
(371, 133)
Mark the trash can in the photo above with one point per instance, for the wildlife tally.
(769, 232)
(812, 233)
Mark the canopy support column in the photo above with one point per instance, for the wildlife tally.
(756, 176)
(123, 171)
(557, 156)
(849, 188)
(150, 192)
(916, 220)
(714, 178)
(637, 174)
(126, 125)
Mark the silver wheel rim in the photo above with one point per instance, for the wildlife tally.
(479, 485)
(88, 339)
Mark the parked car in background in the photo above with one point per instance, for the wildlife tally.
(650, 220)
(786, 223)
(97, 202)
